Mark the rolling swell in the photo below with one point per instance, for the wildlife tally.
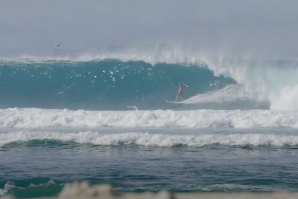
(106, 84)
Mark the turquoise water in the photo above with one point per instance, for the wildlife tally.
(107, 84)
(107, 121)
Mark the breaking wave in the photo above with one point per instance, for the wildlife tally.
(146, 78)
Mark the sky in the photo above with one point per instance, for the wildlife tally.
(260, 27)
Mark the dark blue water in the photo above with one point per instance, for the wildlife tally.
(40, 168)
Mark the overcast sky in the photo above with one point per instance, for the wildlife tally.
(260, 26)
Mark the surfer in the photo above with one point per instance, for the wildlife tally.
(181, 88)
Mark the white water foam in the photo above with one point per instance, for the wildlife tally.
(155, 139)
(228, 94)
(52, 118)
(229, 97)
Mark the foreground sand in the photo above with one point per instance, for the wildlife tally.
(85, 191)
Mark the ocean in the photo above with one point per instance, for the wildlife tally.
(108, 121)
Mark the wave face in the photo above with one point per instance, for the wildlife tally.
(106, 84)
